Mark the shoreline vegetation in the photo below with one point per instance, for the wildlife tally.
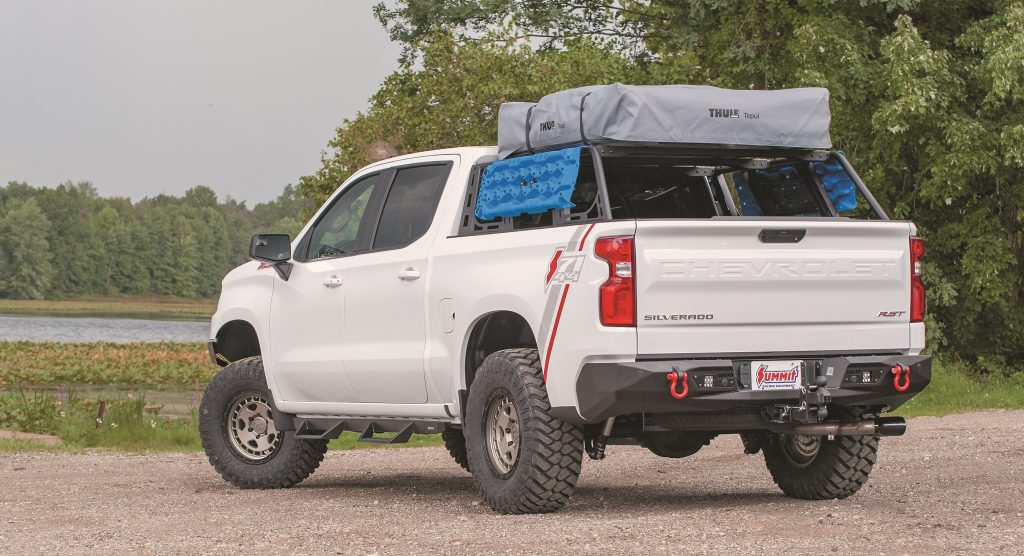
(151, 391)
(108, 306)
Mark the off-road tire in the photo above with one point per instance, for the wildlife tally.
(291, 462)
(838, 470)
(455, 443)
(550, 450)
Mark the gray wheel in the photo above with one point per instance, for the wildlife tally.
(523, 458)
(250, 427)
(236, 425)
(502, 429)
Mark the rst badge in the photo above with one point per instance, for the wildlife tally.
(776, 375)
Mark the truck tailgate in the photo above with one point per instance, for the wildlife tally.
(744, 286)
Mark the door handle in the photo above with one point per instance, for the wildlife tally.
(332, 282)
(409, 274)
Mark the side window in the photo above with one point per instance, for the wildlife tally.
(338, 230)
(410, 206)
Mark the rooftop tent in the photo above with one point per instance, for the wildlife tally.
(675, 114)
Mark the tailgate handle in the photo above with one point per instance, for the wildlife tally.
(781, 236)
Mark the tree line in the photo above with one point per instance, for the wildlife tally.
(927, 101)
(68, 241)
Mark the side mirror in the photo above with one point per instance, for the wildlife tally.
(274, 250)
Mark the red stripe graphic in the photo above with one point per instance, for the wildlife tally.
(554, 330)
(584, 240)
(561, 302)
(553, 267)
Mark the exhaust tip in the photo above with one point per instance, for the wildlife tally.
(890, 426)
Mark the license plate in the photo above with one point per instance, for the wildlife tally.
(776, 375)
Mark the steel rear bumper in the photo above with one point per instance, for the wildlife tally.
(611, 389)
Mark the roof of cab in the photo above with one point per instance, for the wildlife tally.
(472, 153)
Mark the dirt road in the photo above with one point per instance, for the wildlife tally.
(951, 485)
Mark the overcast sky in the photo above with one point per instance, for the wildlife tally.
(143, 98)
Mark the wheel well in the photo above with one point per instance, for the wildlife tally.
(236, 340)
(494, 332)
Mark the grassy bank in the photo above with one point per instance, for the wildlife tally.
(167, 365)
(39, 381)
(40, 384)
(125, 306)
(955, 390)
(129, 423)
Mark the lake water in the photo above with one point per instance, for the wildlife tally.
(92, 329)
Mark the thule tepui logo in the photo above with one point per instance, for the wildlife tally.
(724, 112)
(550, 125)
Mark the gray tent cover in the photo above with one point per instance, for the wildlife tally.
(685, 114)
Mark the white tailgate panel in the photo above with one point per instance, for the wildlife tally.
(712, 287)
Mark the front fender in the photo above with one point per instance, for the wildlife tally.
(245, 296)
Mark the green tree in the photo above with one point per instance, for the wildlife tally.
(186, 277)
(163, 245)
(113, 241)
(209, 229)
(200, 196)
(289, 204)
(25, 268)
(287, 225)
(73, 242)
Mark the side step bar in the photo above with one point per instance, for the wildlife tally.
(329, 428)
(402, 437)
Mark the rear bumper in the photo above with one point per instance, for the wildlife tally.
(611, 389)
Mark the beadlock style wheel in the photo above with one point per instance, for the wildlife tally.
(502, 429)
(523, 459)
(250, 428)
(240, 438)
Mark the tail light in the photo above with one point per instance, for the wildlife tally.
(618, 293)
(917, 303)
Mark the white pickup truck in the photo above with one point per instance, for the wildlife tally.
(687, 292)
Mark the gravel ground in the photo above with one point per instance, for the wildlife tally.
(952, 485)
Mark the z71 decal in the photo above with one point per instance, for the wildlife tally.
(564, 268)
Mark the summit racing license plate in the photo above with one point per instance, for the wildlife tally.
(776, 375)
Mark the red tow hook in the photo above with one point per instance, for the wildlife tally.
(674, 377)
(901, 369)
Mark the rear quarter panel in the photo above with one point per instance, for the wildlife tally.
(478, 275)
